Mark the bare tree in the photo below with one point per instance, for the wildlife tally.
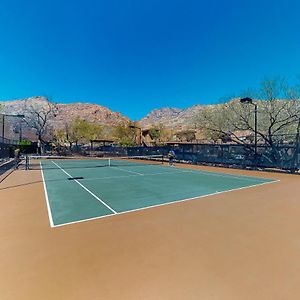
(278, 115)
(218, 122)
(38, 116)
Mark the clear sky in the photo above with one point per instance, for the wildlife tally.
(133, 56)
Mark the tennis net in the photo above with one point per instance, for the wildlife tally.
(57, 162)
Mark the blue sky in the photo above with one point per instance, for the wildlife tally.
(134, 56)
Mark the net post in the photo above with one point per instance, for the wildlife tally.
(109, 162)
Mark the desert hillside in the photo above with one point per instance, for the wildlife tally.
(68, 112)
(65, 114)
(172, 117)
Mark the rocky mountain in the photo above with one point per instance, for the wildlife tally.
(175, 118)
(172, 117)
(92, 112)
(68, 112)
(64, 113)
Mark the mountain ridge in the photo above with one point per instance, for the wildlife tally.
(99, 113)
(170, 117)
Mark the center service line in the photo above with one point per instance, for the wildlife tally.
(86, 189)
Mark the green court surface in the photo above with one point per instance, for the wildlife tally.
(101, 191)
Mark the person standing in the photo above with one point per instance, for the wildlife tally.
(171, 156)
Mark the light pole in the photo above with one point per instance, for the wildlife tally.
(250, 101)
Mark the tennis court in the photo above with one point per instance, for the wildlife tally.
(81, 190)
(240, 244)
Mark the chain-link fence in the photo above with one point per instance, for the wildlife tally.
(4, 150)
(6, 159)
(285, 157)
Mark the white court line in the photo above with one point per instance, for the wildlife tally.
(46, 197)
(100, 178)
(126, 176)
(228, 175)
(140, 174)
(167, 203)
(178, 172)
(86, 189)
(208, 173)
